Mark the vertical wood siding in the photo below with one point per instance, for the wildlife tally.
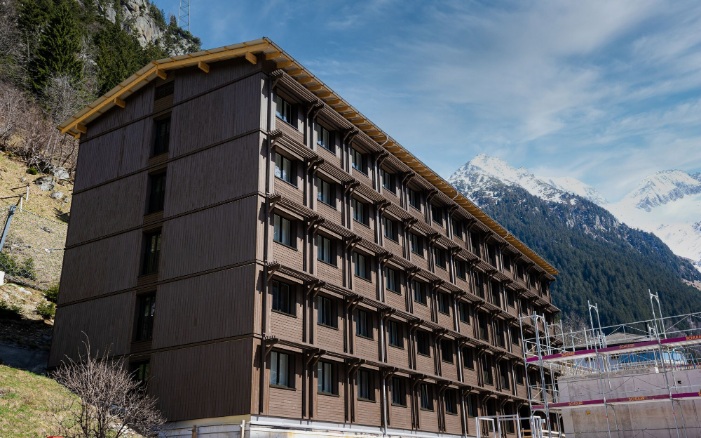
(139, 104)
(210, 306)
(193, 81)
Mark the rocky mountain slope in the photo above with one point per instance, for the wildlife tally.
(599, 257)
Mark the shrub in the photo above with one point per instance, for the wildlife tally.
(46, 310)
(9, 311)
(33, 171)
(51, 294)
(12, 267)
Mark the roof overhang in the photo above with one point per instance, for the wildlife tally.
(266, 49)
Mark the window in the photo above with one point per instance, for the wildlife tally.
(483, 326)
(283, 231)
(447, 350)
(468, 358)
(283, 298)
(324, 138)
(515, 336)
(396, 337)
(388, 181)
(439, 255)
(414, 199)
(520, 375)
(472, 405)
(487, 370)
(475, 240)
(437, 214)
(461, 269)
(141, 371)
(362, 266)
(451, 402)
(426, 397)
(283, 110)
(510, 299)
(164, 90)
(283, 169)
(496, 293)
(361, 212)
(363, 324)
(145, 311)
(398, 391)
(392, 280)
(156, 192)
(423, 343)
(419, 291)
(327, 312)
(457, 228)
(359, 161)
(504, 374)
(464, 312)
(326, 378)
(162, 136)
(325, 250)
(152, 252)
(281, 370)
(417, 244)
(326, 192)
(366, 385)
(391, 229)
(444, 303)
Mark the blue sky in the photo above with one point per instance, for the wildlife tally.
(604, 91)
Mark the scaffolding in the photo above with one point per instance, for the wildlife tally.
(596, 370)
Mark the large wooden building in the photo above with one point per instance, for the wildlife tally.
(259, 251)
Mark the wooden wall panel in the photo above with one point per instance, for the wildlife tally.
(193, 81)
(139, 105)
(213, 380)
(112, 208)
(100, 267)
(209, 239)
(214, 175)
(205, 307)
(194, 124)
(136, 147)
(107, 323)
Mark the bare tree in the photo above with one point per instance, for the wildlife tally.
(112, 402)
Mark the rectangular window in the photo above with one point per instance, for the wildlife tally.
(464, 312)
(283, 231)
(461, 269)
(156, 192)
(283, 298)
(483, 327)
(515, 336)
(281, 370)
(487, 370)
(359, 161)
(161, 140)
(520, 375)
(388, 181)
(417, 244)
(457, 228)
(504, 375)
(361, 264)
(366, 385)
(152, 252)
(326, 192)
(419, 291)
(392, 280)
(447, 350)
(283, 168)
(395, 334)
(363, 324)
(325, 250)
(414, 199)
(326, 312)
(426, 397)
(441, 258)
(451, 402)
(283, 110)
(391, 229)
(145, 311)
(324, 138)
(510, 299)
(361, 212)
(423, 343)
(473, 406)
(326, 378)
(468, 358)
(496, 293)
(141, 371)
(398, 391)
(444, 303)
(437, 214)
(475, 241)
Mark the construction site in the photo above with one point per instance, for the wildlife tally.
(632, 380)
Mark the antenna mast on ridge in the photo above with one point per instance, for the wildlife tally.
(184, 15)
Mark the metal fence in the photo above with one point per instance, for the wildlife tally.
(32, 250)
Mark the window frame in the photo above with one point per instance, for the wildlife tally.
(468, 358)
(487, 370)
(398, 390)
(414, 198)
(361, 167)
(325, 368)
(326, 192)
(392, 285)
(145, 315)
(328, 142)
(423, 342)
(416, 243)
(358, 206)
(281, 173)
(464, 311)
(366, 385)
(447, 343)
(450, 401)
(362, 267)
(289, 372)
(391, 226)
(279, 222)
(418, 289)
(327, 312)
(444, 303)
(278, 289)
(461, 269)
(323, 254)
(426, 397)
(285, 110)
(161, 136)
(440, 258)
(388, 180)
(438, 212)
(395, 334)
(364, 324)
(156, 191)
(151, 256)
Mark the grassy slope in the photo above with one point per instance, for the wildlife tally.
(26, 403)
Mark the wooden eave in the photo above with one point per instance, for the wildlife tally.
(266, 49)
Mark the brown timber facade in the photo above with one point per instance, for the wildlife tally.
(305, 270)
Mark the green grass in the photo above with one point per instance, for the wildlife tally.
(27, 403)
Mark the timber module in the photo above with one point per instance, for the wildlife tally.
(310, 274)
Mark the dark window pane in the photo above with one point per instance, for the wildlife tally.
(146, 309)
(162, 136)
(152, 252)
